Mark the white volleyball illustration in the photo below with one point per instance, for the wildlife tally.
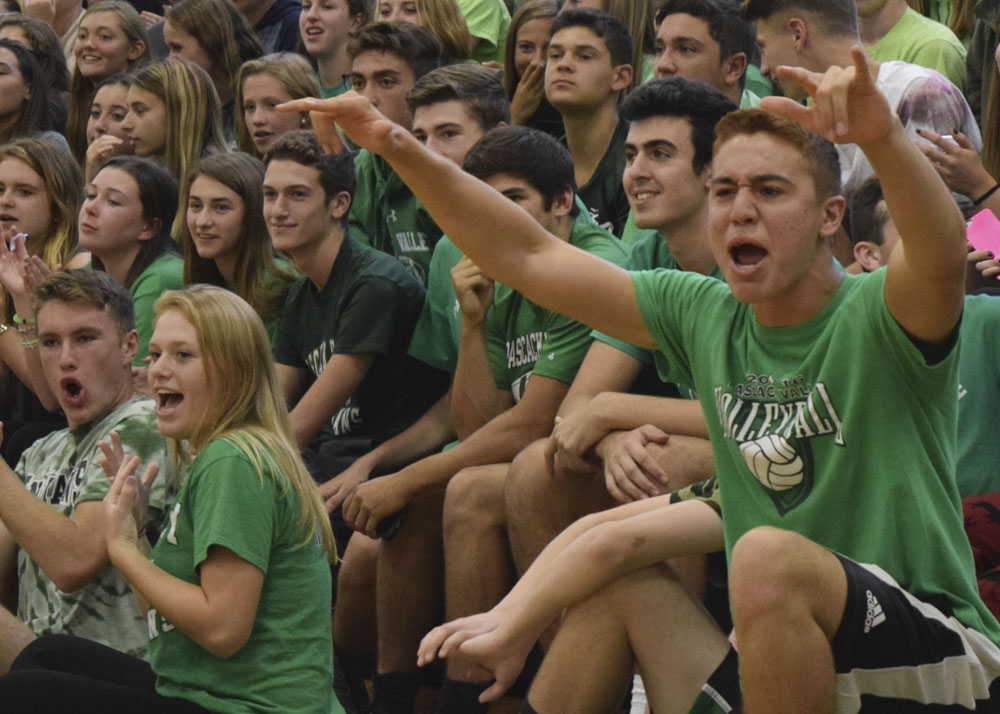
(774, 462)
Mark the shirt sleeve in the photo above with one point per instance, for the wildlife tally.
(234, 507)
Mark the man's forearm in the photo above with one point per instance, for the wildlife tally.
(497, 442)
(68, 552)
(474, 396)
(619, 411)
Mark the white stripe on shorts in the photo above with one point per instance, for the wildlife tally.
(958, 680)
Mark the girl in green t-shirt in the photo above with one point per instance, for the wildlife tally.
(238, 584)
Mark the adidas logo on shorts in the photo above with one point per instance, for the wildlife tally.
(875, 616)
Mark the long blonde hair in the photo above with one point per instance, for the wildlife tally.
(82, 89)
(294, 73)
(637, 16)
(249, 409)
(64, 185)
(194, 118)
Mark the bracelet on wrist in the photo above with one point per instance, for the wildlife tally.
(4, 327)
(18, 320)
(974, 203)
(29, 344)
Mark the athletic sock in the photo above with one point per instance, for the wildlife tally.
(394, 692)
(458, 697)
(349, 675)
(722, 691)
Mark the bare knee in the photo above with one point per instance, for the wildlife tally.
(775, 570)
(357, 570)
(527, 480)
(474, 499)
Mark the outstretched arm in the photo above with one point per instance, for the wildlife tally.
(924, 285)
(502, 239)
(591, 553)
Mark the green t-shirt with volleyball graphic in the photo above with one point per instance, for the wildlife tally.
(836, 428)
(62, 470)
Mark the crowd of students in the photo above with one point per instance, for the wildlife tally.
(611, 351)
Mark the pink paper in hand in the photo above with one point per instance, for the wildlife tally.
(983, 232)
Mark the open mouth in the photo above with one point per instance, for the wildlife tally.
(747, 254)
(72, 390)
(314, 31)
(168, 401)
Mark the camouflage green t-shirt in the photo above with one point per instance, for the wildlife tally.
(62, 470)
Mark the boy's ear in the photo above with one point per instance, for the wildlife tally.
(563, 202)
(734, 67)
(868, 255)
(622, 78)
(340, 205)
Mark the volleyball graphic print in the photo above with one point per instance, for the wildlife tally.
(773, 461)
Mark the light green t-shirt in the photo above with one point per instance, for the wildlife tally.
(62, 470)
(164, 273)
(978, 395)
(287, 663)
(488, 21)
(524, 339)
(439, 328)
(919, 40)
(835, 428)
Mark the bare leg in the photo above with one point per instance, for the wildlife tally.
(14, 637)
(354, 618)
(788, 595)
(539, 505)
(648, 618)
(478, 566)
(410, 584)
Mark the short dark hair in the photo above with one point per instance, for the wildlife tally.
(416, 46)
(609, 28)
(158, 197)
(89, 287)
(820, 154)
(336, 171)
(867, 222)
(836, 17)
(700, 103)
(529, 154)
(479, 88)
(725, 24)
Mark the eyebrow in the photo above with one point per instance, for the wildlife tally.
(685, 38)
(85, 330)
(761, 178)
(287, 188)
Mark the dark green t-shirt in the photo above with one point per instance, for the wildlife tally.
(604, 194)
(369, 303)
(287, 664)
(386, 215)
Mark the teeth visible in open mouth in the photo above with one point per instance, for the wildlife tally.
(644, 195)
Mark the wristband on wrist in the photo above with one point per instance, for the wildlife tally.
(4, 327)
(974, 203)
(29, 344)
(18, 320)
